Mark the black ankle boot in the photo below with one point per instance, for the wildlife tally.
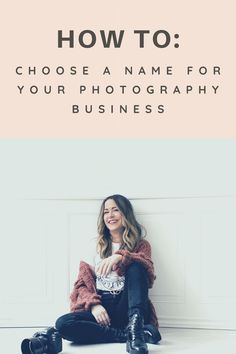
(135, 335)
(151, 334)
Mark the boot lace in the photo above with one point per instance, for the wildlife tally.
(135, 327)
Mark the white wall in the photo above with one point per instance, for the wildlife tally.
(183, 191)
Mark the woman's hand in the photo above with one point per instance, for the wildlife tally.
(101, 315)
(107, 264)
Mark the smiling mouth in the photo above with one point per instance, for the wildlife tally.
(112, 221)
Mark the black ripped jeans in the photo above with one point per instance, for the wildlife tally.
(82, 327)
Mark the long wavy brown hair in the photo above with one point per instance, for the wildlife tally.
(133, 231)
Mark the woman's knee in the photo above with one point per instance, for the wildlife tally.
(72, 319)
(135, 267)
(62, 321)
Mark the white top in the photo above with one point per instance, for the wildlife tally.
(111, 282)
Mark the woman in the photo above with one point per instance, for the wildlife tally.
(109, 302)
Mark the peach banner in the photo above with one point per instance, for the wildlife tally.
(118, 70)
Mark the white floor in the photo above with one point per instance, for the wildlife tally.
(177, 341)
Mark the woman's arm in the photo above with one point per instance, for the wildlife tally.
(108, 264)
(84, 294)
(141, 254)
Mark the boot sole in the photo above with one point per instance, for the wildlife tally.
(134, 351)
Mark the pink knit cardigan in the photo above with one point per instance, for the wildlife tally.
(84, 293)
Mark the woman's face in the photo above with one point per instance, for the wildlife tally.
(112, 216)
